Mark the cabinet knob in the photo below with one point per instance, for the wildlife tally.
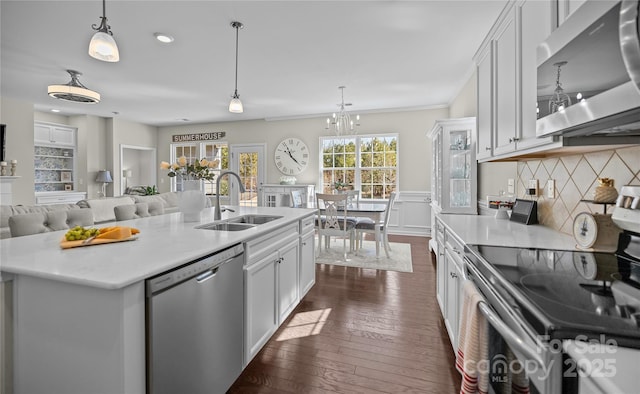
(514, 139)
(453, 275)
(487, 148)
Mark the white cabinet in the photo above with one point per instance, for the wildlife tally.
(288, 295)
(449, 277)
(535, 25)
(261, 313)
(454, 180)
(276, 195)
(484, 70)
(60, 198)
(507, 88)
(54, 161)
(307, 255)
(46, 133)
(271, 276)
(566, 8)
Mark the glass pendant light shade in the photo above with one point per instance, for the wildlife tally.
(103, 47)
(235, 105)
(559, 101)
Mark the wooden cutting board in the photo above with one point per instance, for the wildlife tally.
(118, 234)
(64, 244)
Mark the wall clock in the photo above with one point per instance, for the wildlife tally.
(291, 156)
(595, 231)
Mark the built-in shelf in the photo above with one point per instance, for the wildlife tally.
(599, 203)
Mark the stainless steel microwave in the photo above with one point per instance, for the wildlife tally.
(588, 73)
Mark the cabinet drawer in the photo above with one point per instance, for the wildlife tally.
(263, 245)
(453, 244)
(70, 198)
(273, 189)
(308, 224)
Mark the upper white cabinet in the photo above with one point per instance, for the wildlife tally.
(505, 85)
(535, 24)
(50, 134)
(566, 8)
(453, 178)
(506, 69)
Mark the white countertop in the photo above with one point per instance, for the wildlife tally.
(487, 230)
(614, 370)
(164, 242)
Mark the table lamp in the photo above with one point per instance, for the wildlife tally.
(126, 174)
(104, 176)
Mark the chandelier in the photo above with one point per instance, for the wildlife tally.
(559, 100)
(341, 122)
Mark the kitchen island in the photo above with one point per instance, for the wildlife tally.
(80, 313)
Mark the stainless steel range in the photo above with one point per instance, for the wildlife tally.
(535, 298)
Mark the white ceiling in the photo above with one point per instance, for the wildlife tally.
(293, 55)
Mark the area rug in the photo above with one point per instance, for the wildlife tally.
(399, 260)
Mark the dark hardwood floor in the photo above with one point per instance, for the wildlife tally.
(360, 331)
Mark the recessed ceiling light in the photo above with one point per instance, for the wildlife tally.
(164, 38)
(55, 110)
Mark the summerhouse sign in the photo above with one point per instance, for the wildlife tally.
(198, 137)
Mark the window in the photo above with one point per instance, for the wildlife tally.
(202, 150)
(368, 163)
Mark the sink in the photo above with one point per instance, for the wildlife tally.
(226, 226)
(254, 219)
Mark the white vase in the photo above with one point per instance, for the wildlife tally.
(192, 200)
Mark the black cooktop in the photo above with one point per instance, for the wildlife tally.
(564, 294)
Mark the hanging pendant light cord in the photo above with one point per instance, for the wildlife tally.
(237, 26)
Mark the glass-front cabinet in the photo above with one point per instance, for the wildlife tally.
(453, 177)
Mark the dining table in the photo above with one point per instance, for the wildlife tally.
(373, 210)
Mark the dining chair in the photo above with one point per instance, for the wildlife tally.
(369, 226)
(296, 199)
(332, 220)
(353, 196)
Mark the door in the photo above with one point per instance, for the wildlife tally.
(261, 314)
(249, 162)
(288, 279)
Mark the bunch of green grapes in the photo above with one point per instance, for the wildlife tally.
(79, 233)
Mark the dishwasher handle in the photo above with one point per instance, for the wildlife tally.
(201, 269)
(208, 274)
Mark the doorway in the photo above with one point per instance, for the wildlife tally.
(137, 167)
(248, 160)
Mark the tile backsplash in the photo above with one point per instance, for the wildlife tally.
(576, 177)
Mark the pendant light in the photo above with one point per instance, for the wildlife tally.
(103, 46)
(235, 105)
(74, 91)
(559, 101)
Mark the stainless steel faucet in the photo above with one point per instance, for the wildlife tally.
(217, 215)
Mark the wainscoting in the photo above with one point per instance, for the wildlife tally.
(411, 214)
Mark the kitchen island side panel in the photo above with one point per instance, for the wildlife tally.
(96, 336)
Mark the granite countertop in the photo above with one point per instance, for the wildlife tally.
(487, 230)
(165, 242)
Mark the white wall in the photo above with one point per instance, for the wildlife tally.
(412, 126)
(18, 116)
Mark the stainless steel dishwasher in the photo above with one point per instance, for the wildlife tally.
(195, 325)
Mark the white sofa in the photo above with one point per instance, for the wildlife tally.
(103, 208)
(6, 211)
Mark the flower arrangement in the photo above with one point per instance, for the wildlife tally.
(339, 186)
(200, 169)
